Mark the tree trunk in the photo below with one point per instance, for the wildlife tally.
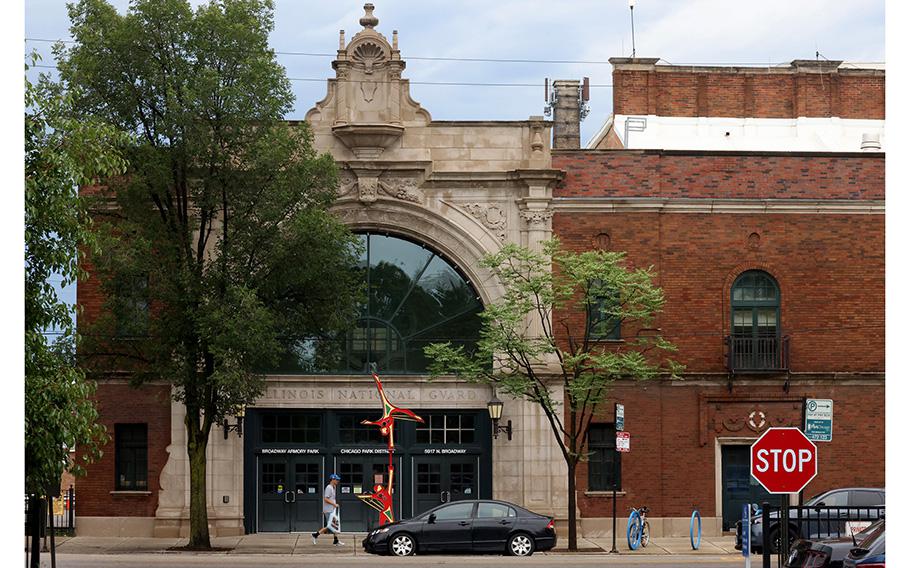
(199, 517)
(573, 532)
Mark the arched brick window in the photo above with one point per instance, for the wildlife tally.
(755, 342)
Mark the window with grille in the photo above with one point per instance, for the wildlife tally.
(446, 429)
(755, 343)
(131, 450)
(291, 429)
(351, 431)
(604, 461)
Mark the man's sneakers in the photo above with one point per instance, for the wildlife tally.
(315, 535)
(338, 543)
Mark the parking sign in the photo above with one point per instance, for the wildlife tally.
(819, 419)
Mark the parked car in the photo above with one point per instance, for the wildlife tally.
(870, 553)
(828, 553)
(466, 526)
(817, 523)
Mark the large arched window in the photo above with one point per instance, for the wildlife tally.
(414, 298)
(755, 343)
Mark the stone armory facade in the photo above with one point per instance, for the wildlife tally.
(813, 221)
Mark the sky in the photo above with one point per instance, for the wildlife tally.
(724, 32)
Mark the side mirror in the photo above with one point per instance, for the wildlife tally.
(432, 518)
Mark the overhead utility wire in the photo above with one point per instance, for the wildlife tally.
(410, 81)
(495, 60)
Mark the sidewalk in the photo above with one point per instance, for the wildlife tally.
(300, 544)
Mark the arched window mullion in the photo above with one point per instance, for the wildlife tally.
(414, 283)
(755, 342)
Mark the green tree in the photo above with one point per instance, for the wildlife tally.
(535, 345)
(61, 153)
(219, 252)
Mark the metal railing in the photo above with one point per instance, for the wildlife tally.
(59, 514)
(757, 354)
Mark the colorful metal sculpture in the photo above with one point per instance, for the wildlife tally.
(390, 412)
(381, 498)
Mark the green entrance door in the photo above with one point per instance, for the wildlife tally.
(443, 479)
(739, 487)
(290, 493)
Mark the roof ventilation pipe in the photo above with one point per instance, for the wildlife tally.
(871, 142)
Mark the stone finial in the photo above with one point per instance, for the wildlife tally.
(341, 39)
(394, 39)
(369, 20)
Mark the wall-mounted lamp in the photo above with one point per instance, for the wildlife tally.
(494, 407)
(238, 427)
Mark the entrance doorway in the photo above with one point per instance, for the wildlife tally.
(359, 474)
(290, 493)
(443, 479)
(737, 483)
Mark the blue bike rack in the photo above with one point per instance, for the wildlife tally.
(695, 542)
(634, 528)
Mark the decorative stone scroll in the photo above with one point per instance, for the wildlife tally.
(370, 186)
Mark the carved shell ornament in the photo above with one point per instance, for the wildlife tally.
(368, 54)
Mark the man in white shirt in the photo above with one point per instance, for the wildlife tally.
(329, 504)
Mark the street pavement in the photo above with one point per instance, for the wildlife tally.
(299, 550)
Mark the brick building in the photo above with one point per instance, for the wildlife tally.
(745, 188)
(724, 179)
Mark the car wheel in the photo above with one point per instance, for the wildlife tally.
(402, 545)
(520, 545)
(775, 539)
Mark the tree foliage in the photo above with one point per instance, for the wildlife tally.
(61, 152)
(538, 349)
(219, 252)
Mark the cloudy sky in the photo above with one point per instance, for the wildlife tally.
(690, 31)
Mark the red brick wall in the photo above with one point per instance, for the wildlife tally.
(121, 403)
(741, 175)
(737, 92)
(830, 268)
(671, 466)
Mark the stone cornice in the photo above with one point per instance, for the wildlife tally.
(708, 205)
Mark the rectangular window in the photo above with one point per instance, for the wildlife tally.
(290, 429)
(133, 316)
(601, 319)
(131, 456)
(603, 461)
(352, 431)
(446, 429)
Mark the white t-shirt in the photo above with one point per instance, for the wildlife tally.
(330, 495)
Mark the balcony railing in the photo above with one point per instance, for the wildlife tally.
(758, 354)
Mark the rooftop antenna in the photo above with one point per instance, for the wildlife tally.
(632, 16)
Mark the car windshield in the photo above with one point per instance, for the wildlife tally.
(874, 532)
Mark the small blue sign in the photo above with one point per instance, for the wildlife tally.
(620, 417)
(747, 530)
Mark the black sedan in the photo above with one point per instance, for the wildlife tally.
(466, 526)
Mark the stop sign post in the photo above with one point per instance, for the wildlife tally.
(784, 461)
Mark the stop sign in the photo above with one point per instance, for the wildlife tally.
(783, 460)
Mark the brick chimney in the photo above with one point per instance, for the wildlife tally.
(566, 115)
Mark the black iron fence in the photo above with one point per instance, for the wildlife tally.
(756, 354)
(805, 522)
(59, 513)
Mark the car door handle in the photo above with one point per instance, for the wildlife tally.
(504, 522)
(464, 523)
